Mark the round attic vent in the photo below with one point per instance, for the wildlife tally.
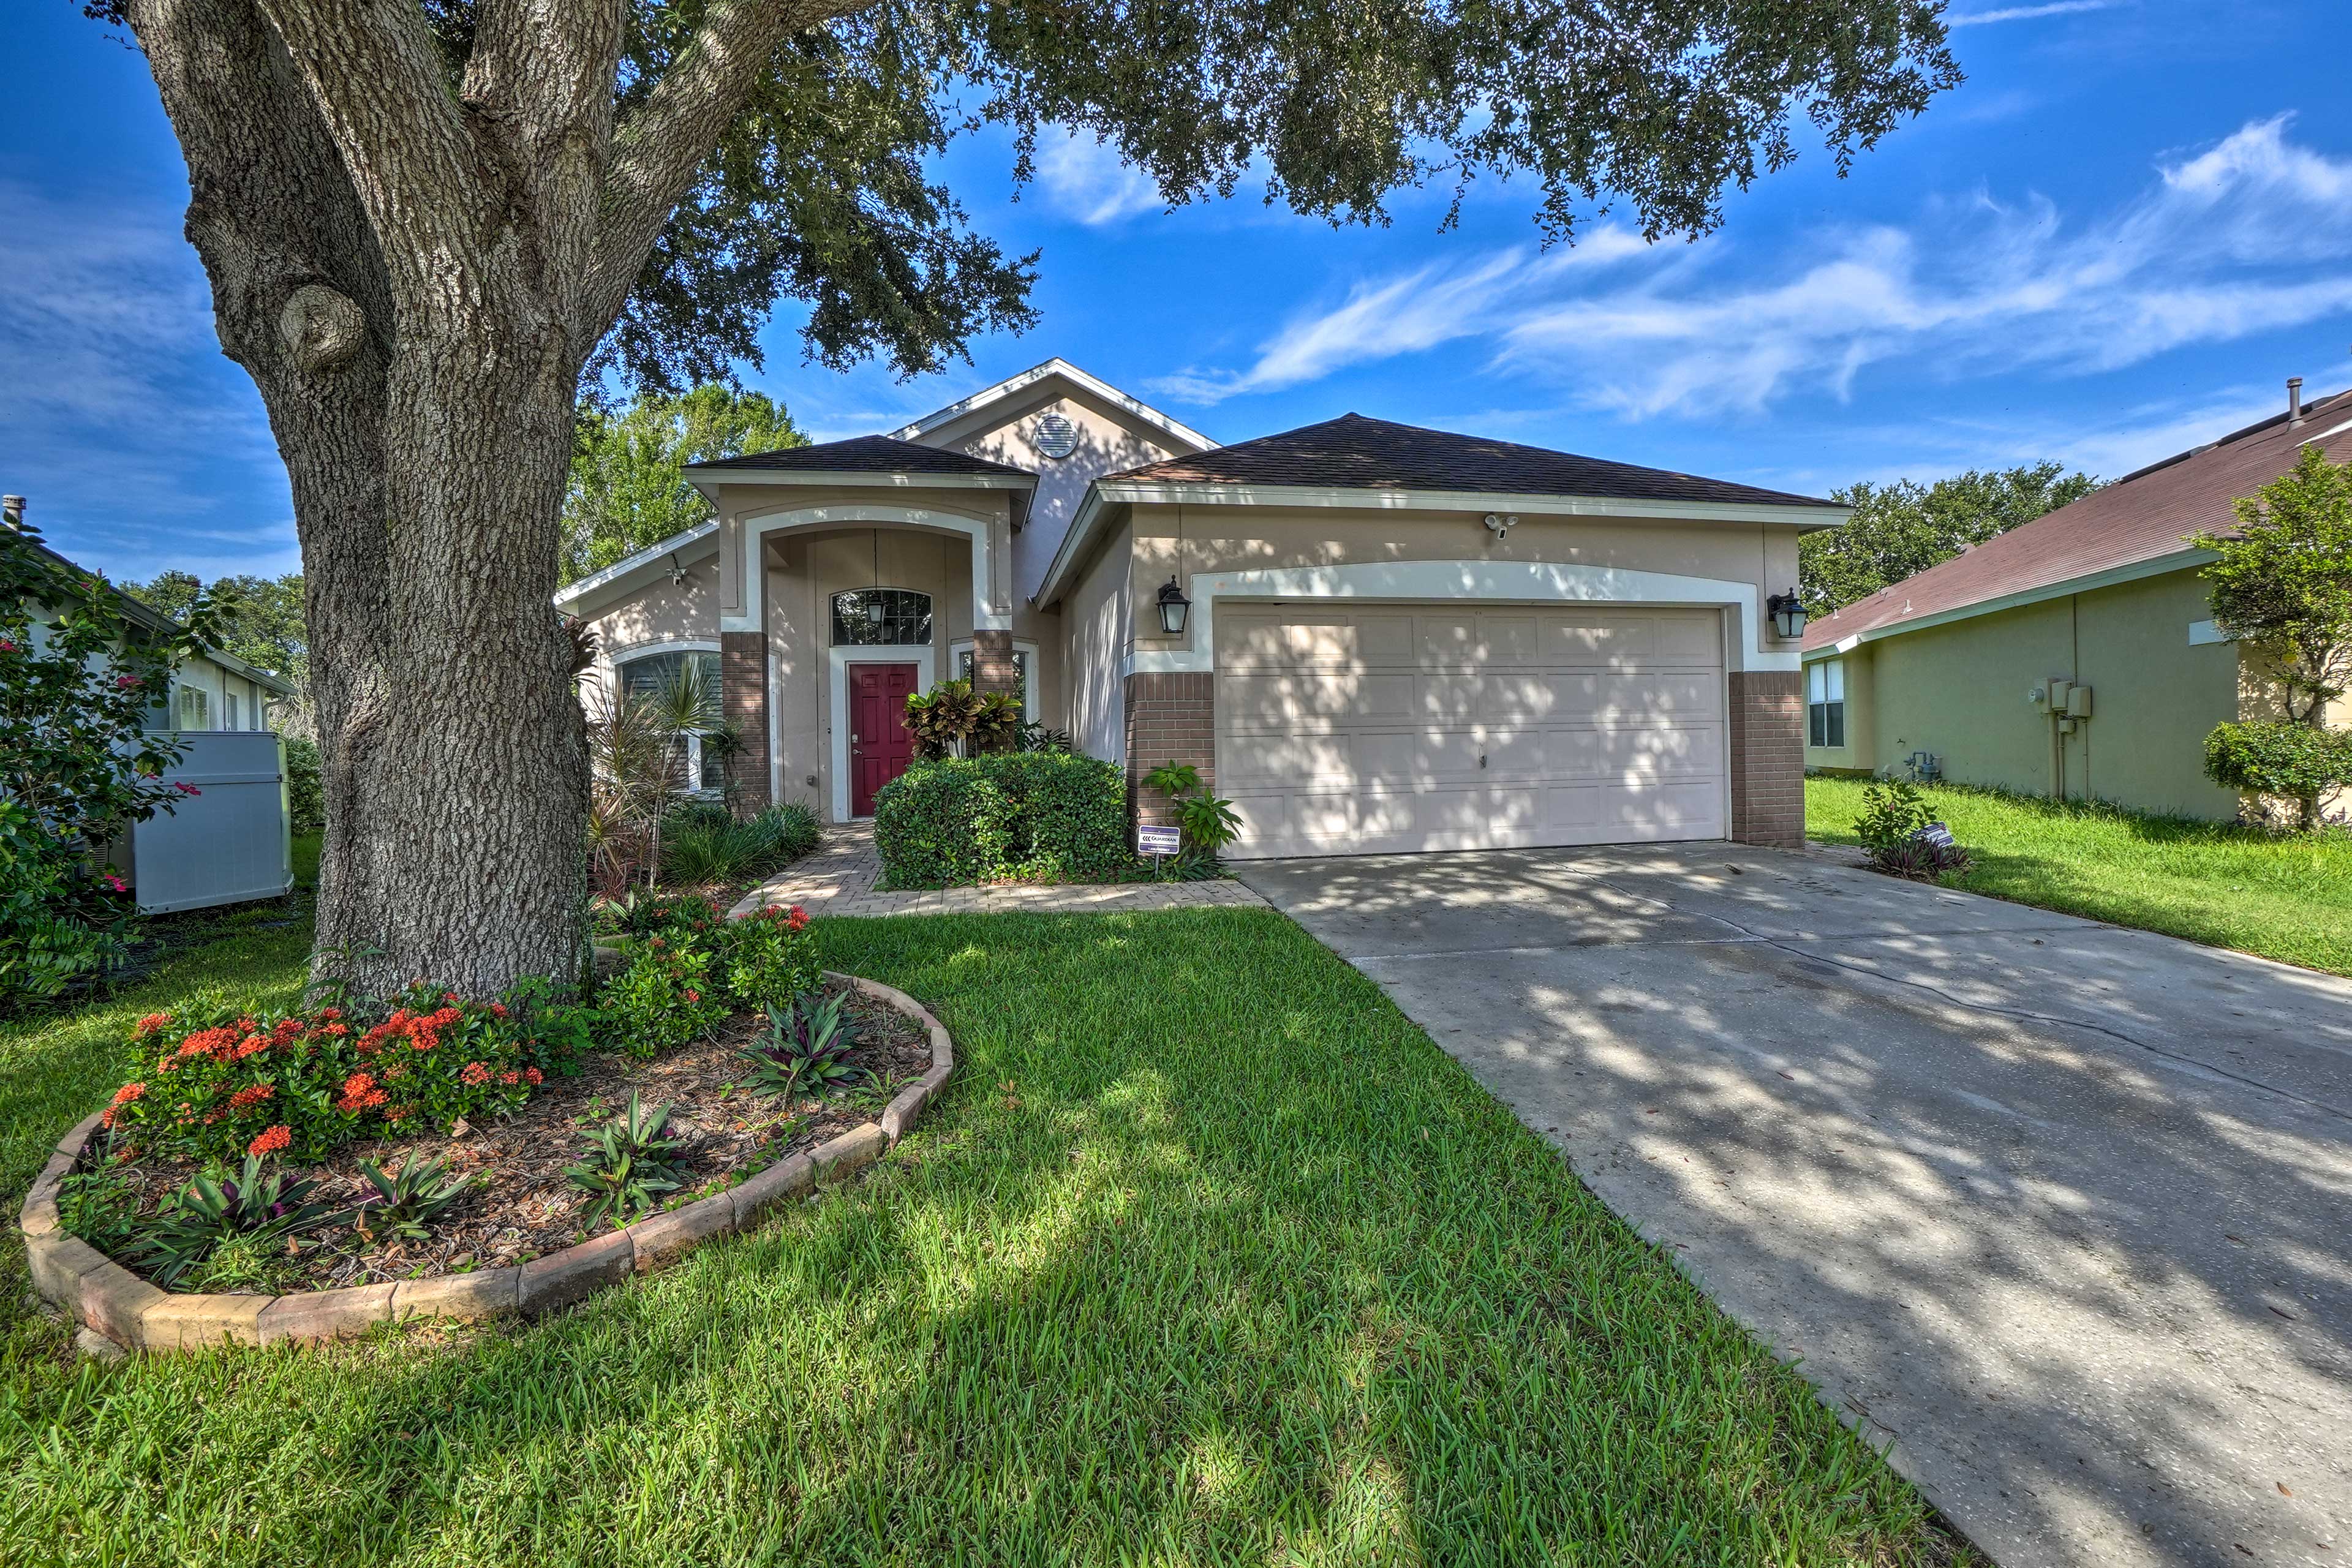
(1055, 436)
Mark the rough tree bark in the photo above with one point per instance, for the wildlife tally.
(413, 277)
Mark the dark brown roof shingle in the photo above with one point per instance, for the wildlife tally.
(1352, 452)
(2148, 513)
(864, 454)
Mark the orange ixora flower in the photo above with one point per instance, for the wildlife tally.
(218, 1043)
(476, 1073)
(129, 1092)
(271, 1140)
(251, 1095)
(360, 1093)
(152, 1023)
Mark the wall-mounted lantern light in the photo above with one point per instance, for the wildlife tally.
(1173, 608)
(1788, 614)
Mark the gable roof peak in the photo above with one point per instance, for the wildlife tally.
(942, 420)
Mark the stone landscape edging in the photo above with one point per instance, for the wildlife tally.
(110, 1300)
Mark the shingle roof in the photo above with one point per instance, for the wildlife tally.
(2148, 513)
(864, 454)
(1352, 452)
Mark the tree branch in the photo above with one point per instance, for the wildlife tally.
(658, 149)
(538, 84)
(375, 74)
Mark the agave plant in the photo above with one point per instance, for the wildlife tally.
(406, 1204)
(262, 1209)
(803, 1048)
(629, 1163)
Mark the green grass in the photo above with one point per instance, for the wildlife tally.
(1206, 1255)
(2283, 897)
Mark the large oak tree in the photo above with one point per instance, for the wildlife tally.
(424, 221)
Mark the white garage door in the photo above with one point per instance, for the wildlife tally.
(1410, 727)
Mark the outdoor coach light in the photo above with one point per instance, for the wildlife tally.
(1788, 614)
(1173, 608)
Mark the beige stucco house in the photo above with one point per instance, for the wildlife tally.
(2075, 656)
(1390, 639)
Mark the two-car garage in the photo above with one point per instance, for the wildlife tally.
(1365, 728)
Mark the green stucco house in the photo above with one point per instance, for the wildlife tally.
(2074, 657)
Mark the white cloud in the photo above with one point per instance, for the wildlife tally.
(2027, 12)
(2250, 235)
(1087, 179)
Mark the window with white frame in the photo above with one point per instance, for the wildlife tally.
(1825, 703)
(196, 708)
(676, 676)
(228, 710)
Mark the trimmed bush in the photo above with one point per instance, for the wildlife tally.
(2300, 762)
(1041, 817)
(306, 793)
(702, 843)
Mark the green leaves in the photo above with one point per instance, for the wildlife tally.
(1035, 816)
(2298, 761)
(629, 486)
(261, 1207)
(629, 1164)
(407, 1203)
(2282, 582)
(803, 1049)
(1900, 530)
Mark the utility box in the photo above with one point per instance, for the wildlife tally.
(2078, 702)
(2058, 690)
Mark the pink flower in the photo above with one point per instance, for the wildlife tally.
(185, 787)
(125, 682)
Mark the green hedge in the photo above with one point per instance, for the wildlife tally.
(1044, 816)
(2300, 762)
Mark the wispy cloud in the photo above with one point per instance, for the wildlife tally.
(121, 416)
(1087, 180)
(2251, 235)
(2026, 13)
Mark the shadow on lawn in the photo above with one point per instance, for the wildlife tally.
(1206, 1255)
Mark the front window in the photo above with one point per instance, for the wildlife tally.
(904, 617)
(679, 683)
(965, 664)
(196, 708)
(1825, 703)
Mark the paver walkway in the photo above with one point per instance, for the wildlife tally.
(838, 878)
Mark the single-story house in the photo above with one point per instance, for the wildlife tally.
(2075, 656)
(1370, 637)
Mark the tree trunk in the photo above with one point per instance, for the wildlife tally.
(457, 757)
(427, 432)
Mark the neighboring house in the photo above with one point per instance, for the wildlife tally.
(1386, 637)
(2074, 657)
(230, 841)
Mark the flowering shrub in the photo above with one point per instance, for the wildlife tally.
(664, 999)
(768, 958)
(217, 1083)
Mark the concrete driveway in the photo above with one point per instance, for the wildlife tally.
(2063, 1211)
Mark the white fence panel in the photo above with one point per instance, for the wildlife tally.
(229, 842)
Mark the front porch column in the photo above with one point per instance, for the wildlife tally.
(1768, 757)
(743, 698)
(991, 663)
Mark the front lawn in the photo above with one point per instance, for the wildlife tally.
(2288, 897)
(1207, 1255)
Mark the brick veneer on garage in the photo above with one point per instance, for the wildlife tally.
(1768, 757)
(991, 663)
(1169, 718)
(743, 696)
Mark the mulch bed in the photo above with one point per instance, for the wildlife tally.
(527, 1207)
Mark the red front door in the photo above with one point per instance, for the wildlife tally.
(879, 746)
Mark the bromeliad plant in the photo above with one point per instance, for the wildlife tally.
(408, 1202)
(628, 1165)
(803, 1049)
(256, 1211)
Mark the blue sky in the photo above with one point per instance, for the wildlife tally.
(2116, 241)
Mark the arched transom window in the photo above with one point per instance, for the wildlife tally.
(867, 617)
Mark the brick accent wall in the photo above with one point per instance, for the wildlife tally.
(743, 696)
(1768, 757)
(992, 662)
(1169, 718)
